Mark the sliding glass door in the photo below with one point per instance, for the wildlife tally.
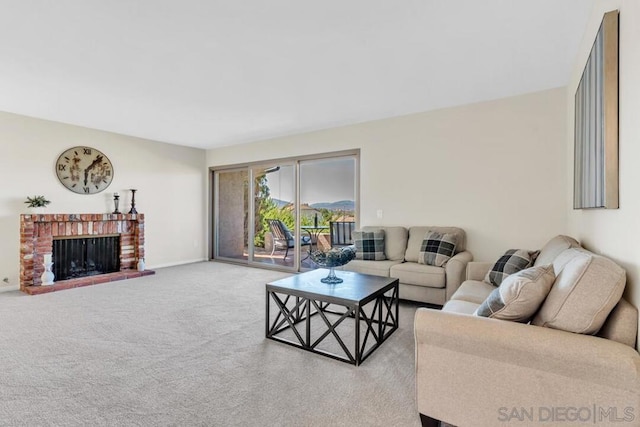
(231, 214)
(274, 214)
(327, 198)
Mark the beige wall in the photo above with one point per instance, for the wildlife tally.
(615, 233)
(495, 168)
(170, 179)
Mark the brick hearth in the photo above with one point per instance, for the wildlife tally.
(36, 239)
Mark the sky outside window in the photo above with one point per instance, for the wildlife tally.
(327, 180)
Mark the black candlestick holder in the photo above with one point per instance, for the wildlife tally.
(133, 202)
(116, 202)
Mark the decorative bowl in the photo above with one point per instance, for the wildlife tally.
(334, 257)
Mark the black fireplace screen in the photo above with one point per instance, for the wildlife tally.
(85, 256)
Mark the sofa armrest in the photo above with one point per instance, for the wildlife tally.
(454, 271)
(477, 270)
(473, 370)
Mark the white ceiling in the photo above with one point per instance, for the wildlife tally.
(207, 73)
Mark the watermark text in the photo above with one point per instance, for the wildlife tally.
(557, 414)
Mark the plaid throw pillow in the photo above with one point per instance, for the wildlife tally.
(519, 296)
(511, 262)
(369, 245)
(437, 248)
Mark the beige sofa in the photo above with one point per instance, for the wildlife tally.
(418, 282)
(478, 371)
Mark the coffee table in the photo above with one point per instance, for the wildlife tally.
(310, 311)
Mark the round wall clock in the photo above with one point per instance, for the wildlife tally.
(84, 170)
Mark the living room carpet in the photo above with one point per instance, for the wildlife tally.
(186, 347)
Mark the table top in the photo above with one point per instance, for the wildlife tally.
(314, 227)
(355, 288)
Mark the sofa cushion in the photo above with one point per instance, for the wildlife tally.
(553, 248)
(416, 236)
(474, 291)
(519, 296)
(511, 262)
(459, 306)
(587, 288)
(375, 268)
(369, 245)
(395, 241)
(437, 248)
(412, 273)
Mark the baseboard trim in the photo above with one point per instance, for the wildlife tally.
(174, 264)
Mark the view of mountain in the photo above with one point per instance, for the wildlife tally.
(280, 203)
(341, 205)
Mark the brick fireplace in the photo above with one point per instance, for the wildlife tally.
(37, 233)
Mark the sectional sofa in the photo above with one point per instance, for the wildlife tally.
(575, 363)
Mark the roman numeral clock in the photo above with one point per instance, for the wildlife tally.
(84, 170)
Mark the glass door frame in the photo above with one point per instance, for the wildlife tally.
(215, 213)
(295, 161)
(252, 213)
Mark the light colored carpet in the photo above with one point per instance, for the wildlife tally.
(186, 347)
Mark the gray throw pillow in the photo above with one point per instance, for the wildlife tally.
(511, 262)
(437, 248)
(369, 245)
(519, 296)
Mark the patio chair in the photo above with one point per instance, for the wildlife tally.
(283, 238)
(340, 233)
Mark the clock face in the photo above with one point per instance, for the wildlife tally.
(84, 170)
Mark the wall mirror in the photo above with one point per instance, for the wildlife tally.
(596, 123)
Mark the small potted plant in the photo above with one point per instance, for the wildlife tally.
(37, 203)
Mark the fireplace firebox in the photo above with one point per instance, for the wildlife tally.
(85, 256)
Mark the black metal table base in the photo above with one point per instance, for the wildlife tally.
(295, 313)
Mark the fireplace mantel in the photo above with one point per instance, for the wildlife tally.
(36, 239)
